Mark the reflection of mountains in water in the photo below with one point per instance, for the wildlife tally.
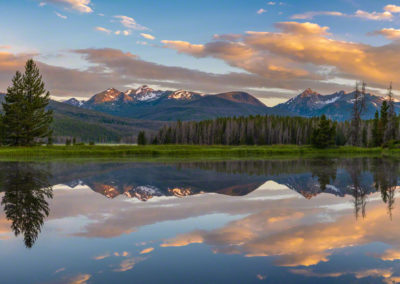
(309, 177)
(145, 181)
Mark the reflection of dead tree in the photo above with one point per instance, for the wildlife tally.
(391, 200)
(359, 200)
(355, 168)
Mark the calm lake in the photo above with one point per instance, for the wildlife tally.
(263, 221)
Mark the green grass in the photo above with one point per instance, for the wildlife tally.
(182, 151)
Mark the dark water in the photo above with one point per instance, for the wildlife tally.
(279, 221)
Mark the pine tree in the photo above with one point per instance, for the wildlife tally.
(14, 111)
(376, 137)
(324, 135)
(141, 139)
(384, 121)
(25, 116)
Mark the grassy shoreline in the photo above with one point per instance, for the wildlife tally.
(182, 151)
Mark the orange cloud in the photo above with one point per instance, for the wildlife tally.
(147, 250)
(304, 50)
(104, 30)
(184, 47)
(80, 279)
(147, 36)
(302, 28)
(100, 257)
(389, 33)
(128, 264)
(392, 8)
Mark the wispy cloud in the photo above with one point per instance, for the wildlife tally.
(311, 15)
(147, 36)
(385, 15)
(82, 6)
(147, 250)
(375, 16)
(389, 33)
(261, 11)
(61, 16)
(130, 23)
(101, 256)
(104, 30)
(80, 279)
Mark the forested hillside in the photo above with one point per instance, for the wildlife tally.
(88, 125)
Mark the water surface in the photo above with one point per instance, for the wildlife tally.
(275, 221)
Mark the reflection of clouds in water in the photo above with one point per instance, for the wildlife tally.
(385, 274)
(293, 240)
(146, 250)
(85, 213)
(102, 256)
(80, 279)
(128, 264)
(59, 270)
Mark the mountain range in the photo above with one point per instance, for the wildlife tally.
(115, 116)
(146, 103)
(150, 104)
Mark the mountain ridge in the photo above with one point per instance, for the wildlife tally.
(147, 103)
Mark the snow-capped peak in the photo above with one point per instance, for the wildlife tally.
(181, 95)
(308, 92)
(144, 93)
(144, 89)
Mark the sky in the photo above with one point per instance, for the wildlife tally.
(270, 49)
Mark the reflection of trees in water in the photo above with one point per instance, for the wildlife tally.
(384, 172)
(325, 170)
(385, 180)
(27, 185)
(26, 189)
(355, 168)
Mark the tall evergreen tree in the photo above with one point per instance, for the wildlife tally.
(376, 136)
(141, 139)
(384, 121)
(25, 116)
(324, 135)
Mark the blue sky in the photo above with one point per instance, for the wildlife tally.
(182, 34)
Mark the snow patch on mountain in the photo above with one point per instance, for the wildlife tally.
(144, 93)
(182, 95)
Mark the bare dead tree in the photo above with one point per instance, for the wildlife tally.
(358, 108)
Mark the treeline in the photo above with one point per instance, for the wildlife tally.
(321, 132)
(251, 130)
